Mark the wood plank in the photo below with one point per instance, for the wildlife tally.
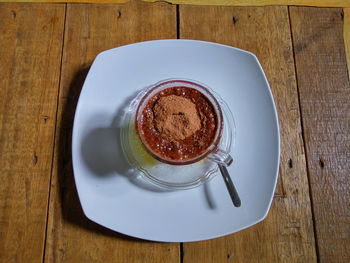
(323, 3)
(324, 89)
(286, 235)
(89, 30)
(346, 33)
(31, 38)
(329, 3)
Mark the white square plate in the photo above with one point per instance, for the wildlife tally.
(112, 199)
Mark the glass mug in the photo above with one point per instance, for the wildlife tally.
(213, 152)
(178, 174)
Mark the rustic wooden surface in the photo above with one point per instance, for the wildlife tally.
(321, 3)
(330, 3)
(89, 30)
(307, 70)
(29, 74)
(325, 104)
(288, 230)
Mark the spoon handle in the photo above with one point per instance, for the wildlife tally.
(230, 186)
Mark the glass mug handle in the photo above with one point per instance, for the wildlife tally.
(221, 157)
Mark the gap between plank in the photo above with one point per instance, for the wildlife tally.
(304, 144)
(55, 129)
(346, 36)
(178, 37)
(178, 21)
(181, 252)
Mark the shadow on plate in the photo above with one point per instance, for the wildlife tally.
(102, 153)
(70, 205)
(209, 196)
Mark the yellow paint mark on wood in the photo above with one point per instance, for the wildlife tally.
(346, 34)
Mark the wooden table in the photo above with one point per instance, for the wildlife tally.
(45, 53)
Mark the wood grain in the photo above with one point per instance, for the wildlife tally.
(346, 34)
(322, 3)
(30, 56)
(324, 89)
(286, 235)
(89, 30)
(329, 3)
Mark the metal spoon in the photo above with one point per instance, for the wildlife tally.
(230, 186)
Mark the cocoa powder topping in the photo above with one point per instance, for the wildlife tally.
(176, 117)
